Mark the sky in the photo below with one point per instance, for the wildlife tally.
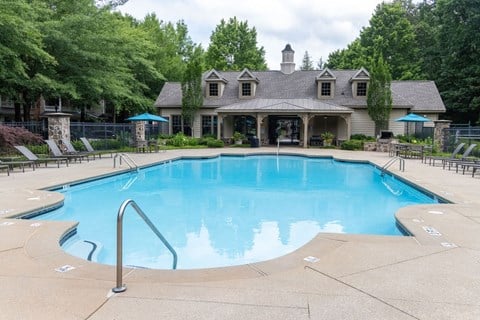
(316, 26)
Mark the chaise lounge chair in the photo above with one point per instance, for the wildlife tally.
(21, 164)
(71, 150)
(431, 159)
(55, 150)
(7, 168)
(463, 160)
(33, 157)
(90, 149)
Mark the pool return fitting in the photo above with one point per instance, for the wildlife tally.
(121, 211)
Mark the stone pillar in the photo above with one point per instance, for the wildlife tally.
(59, 128)
(139, 131)
(438, 133)
(305, 119)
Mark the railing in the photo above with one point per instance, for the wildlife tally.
(121, 212)
(401, 162)
(128, 160)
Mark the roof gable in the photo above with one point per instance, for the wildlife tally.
(326, 74)
(213, 75)
(246, 75)
(361, 74)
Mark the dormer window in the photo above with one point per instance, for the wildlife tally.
(246, 89)
(247, 84)
(326, 89)
(325, 84)
(215, 84)
(360, 83)
(213, 89)
(361, 89)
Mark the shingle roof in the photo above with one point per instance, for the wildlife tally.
(281, 105)
(418, 95)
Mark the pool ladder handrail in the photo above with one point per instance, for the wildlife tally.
(119, 269)
(128, 160)
(392, 161)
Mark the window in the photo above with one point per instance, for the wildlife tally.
(246, 89)
(213, 89)
(209, 125)
(326, 89)
(361, 89)
(176, 124)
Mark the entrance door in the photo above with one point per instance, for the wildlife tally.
(284, 128)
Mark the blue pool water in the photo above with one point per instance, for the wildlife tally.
(231, 210)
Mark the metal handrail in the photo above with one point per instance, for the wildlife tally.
(392, 161)
(121, 211)
(130, 162)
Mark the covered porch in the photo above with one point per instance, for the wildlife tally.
(286, 121)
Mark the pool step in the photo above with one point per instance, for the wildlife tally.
(86, 249)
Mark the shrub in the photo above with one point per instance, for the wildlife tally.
(215, 143)
(11, 136)
(362, 137)
(353, 144)
(178, 140)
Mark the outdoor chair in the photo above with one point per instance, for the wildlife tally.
(55, 150)
(463, 159)
(7, 168)
(21, 164)
(431, 159)
(71, 150)
(90, 149)
(33, 157)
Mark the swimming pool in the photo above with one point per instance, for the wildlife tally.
(231, 210)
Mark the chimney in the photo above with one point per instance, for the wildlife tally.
(287, 66)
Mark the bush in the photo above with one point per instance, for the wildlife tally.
(353, 144)
(178, 140)
(11, 136)
(362, 137)
(215, 143)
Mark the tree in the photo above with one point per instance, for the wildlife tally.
(389, 33)
(459, 49)
(192, 96)
(379, 96)
(24, 62)
(307, 63)
(233, 46)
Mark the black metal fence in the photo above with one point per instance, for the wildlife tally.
(122, 132)
(454, 135)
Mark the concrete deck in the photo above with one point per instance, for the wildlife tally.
(434, 274)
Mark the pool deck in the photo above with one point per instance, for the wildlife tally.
(434, 274)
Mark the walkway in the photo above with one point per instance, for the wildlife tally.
(434, 275)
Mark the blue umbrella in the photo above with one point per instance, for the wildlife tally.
(412, 117)
(147, 117)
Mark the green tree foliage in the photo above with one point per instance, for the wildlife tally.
(307, 63)
(379, 96)
(429, 39)
(390, 34)
(85, 53)
(233, 46)
(192, 96)
(172, 46)
(459, 49)
(24, 62)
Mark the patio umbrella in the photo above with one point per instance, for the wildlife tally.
(412, 117)
(147, 117)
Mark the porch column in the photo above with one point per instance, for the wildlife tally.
(220, 126)
(305, 119)
(259, 118)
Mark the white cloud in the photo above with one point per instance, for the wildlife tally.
(318, 27)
